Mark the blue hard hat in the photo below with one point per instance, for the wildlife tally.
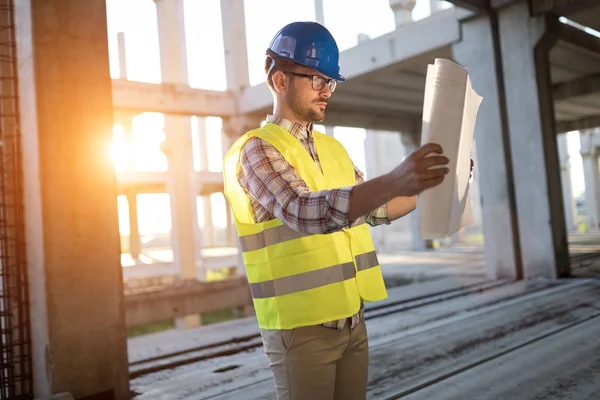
(309, 44)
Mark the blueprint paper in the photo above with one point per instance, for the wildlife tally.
(449, 115)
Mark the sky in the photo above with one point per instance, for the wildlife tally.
(206, 70)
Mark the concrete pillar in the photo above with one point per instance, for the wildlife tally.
(122, 55)
(417, 244)
(567, 188)
(208, 233)
(499, 216)
(135, 241)
(525, 44)
(238, 78)
(231, 233)
(319, 12)
(525, 90)
(126, 121)
(475, 188)
(372, 170)
(178, 144)
(591, 173)
(78, 342)
(402, 10)
(329, 130)
(435, 6)
(234, 41)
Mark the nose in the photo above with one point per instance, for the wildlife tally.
(325, 92)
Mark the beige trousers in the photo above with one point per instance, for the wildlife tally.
(318, 363)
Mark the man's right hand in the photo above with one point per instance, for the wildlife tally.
(419, 171)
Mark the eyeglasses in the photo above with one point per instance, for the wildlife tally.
(318, 82)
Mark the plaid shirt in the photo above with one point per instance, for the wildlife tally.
(276, 191)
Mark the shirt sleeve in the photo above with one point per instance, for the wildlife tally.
(379, 215)
(276, 186)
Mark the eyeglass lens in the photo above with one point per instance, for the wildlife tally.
(318, 83)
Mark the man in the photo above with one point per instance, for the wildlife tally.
(301, 210)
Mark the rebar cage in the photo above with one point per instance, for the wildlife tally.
(16, 380)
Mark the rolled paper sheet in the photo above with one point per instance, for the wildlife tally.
(449, 114)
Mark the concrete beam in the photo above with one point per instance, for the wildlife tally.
(192, 297)
(560, 7)
(579, 87)
(438, 31)
(372, 120)
(175, 99)
(578, 37)
(385, 104)
(204, 182)
(472, 5)
(578, 124)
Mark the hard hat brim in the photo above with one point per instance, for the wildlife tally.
(338, 77)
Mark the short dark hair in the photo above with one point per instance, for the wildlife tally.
(280, 63)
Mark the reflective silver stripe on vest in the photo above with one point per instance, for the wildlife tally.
(366, 261)
(313, 279)
(268, 237)
(304, 281)
(275, 235)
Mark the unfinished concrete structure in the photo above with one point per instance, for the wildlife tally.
(538, 76)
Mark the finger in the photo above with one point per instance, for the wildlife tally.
(433, 161)
(433, 173)
(428, 149)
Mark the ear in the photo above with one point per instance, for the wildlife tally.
(280, 82)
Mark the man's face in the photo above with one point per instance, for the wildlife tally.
(307, 103)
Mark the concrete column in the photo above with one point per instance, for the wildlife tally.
(499, 217)
(319, 12)
(591, 173)
(567, 188)
(208, 231)
(126, 121)
(238, 78)
(135, 241)
(122, 55)
(329, 130)
(171, 37)
(475, 188)
(525, 44)
(402, 10)
(234, 41)
(231, 232)
(517, 116)
(173, 62)
(417, 244)
(435, 6)
(78, 342)
(372, 171)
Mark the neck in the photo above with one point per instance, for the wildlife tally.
(281, 111)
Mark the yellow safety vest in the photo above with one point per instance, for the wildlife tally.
(299, 279)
